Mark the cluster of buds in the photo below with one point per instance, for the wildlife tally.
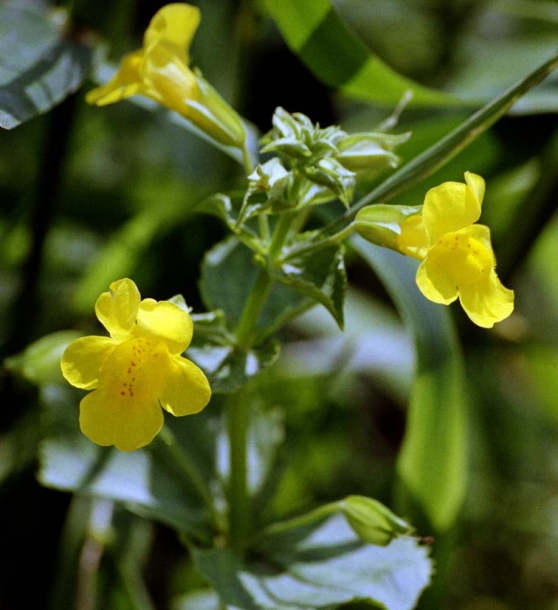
(315, 165)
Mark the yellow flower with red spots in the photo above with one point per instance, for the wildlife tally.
(135, 371)
(457, 259)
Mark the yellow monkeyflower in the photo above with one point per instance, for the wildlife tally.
(160, 71)
(457, 260)
(135, 371)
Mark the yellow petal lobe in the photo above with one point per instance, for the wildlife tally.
(452, 206)
(186, 390)
(174, 26)
(166, 322)
(82, 360)
(127, 424)
(118, 308)
(125, 83)
(487, 303)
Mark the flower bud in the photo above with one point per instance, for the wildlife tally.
(372, 521)
(363, 151)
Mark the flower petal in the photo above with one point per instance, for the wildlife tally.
(174, 27)
(487, 303)
(169, 81)
(435, 283)
(125, 83)
(118, 308)
(83, 358)
(166, 322)
(452, 206)
(127, 423)
(413, 240)
(477, 185)
(186, 390)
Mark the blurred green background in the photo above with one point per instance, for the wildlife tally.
(89, 195)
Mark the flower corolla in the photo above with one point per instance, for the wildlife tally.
(457, 259)
(135, 371)
(160, 71)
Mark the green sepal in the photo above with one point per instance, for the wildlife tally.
(319, 275)
(372, 521)
(212, 114)
(228, 368)
(367, 151)
(380, 223)
(330, 173)
(267, 186)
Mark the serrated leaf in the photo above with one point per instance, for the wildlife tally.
(433, 460)
(39, 67)
(229, 210)
(228, 367)
(327, 566)
(314, 31)
(319, 275)
(229, 272)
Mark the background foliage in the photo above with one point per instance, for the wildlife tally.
(91, 195)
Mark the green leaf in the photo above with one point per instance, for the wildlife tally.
(39, 66)
(229, 271)
(314, 31)
(149, 482)
(226, 366)
(40, 361)
(433, 459)
(427, 162)
(229, 210)
(319, 275)
(322, 564)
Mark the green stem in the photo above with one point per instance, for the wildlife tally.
(325, 242)
(190, 472)
(280, 234)
(245, 329)
(247, 159)
(238, 409)
(238, 414)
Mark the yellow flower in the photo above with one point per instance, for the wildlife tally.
(457, 260)
(160, 70)
(135, 371)
(457, 256)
